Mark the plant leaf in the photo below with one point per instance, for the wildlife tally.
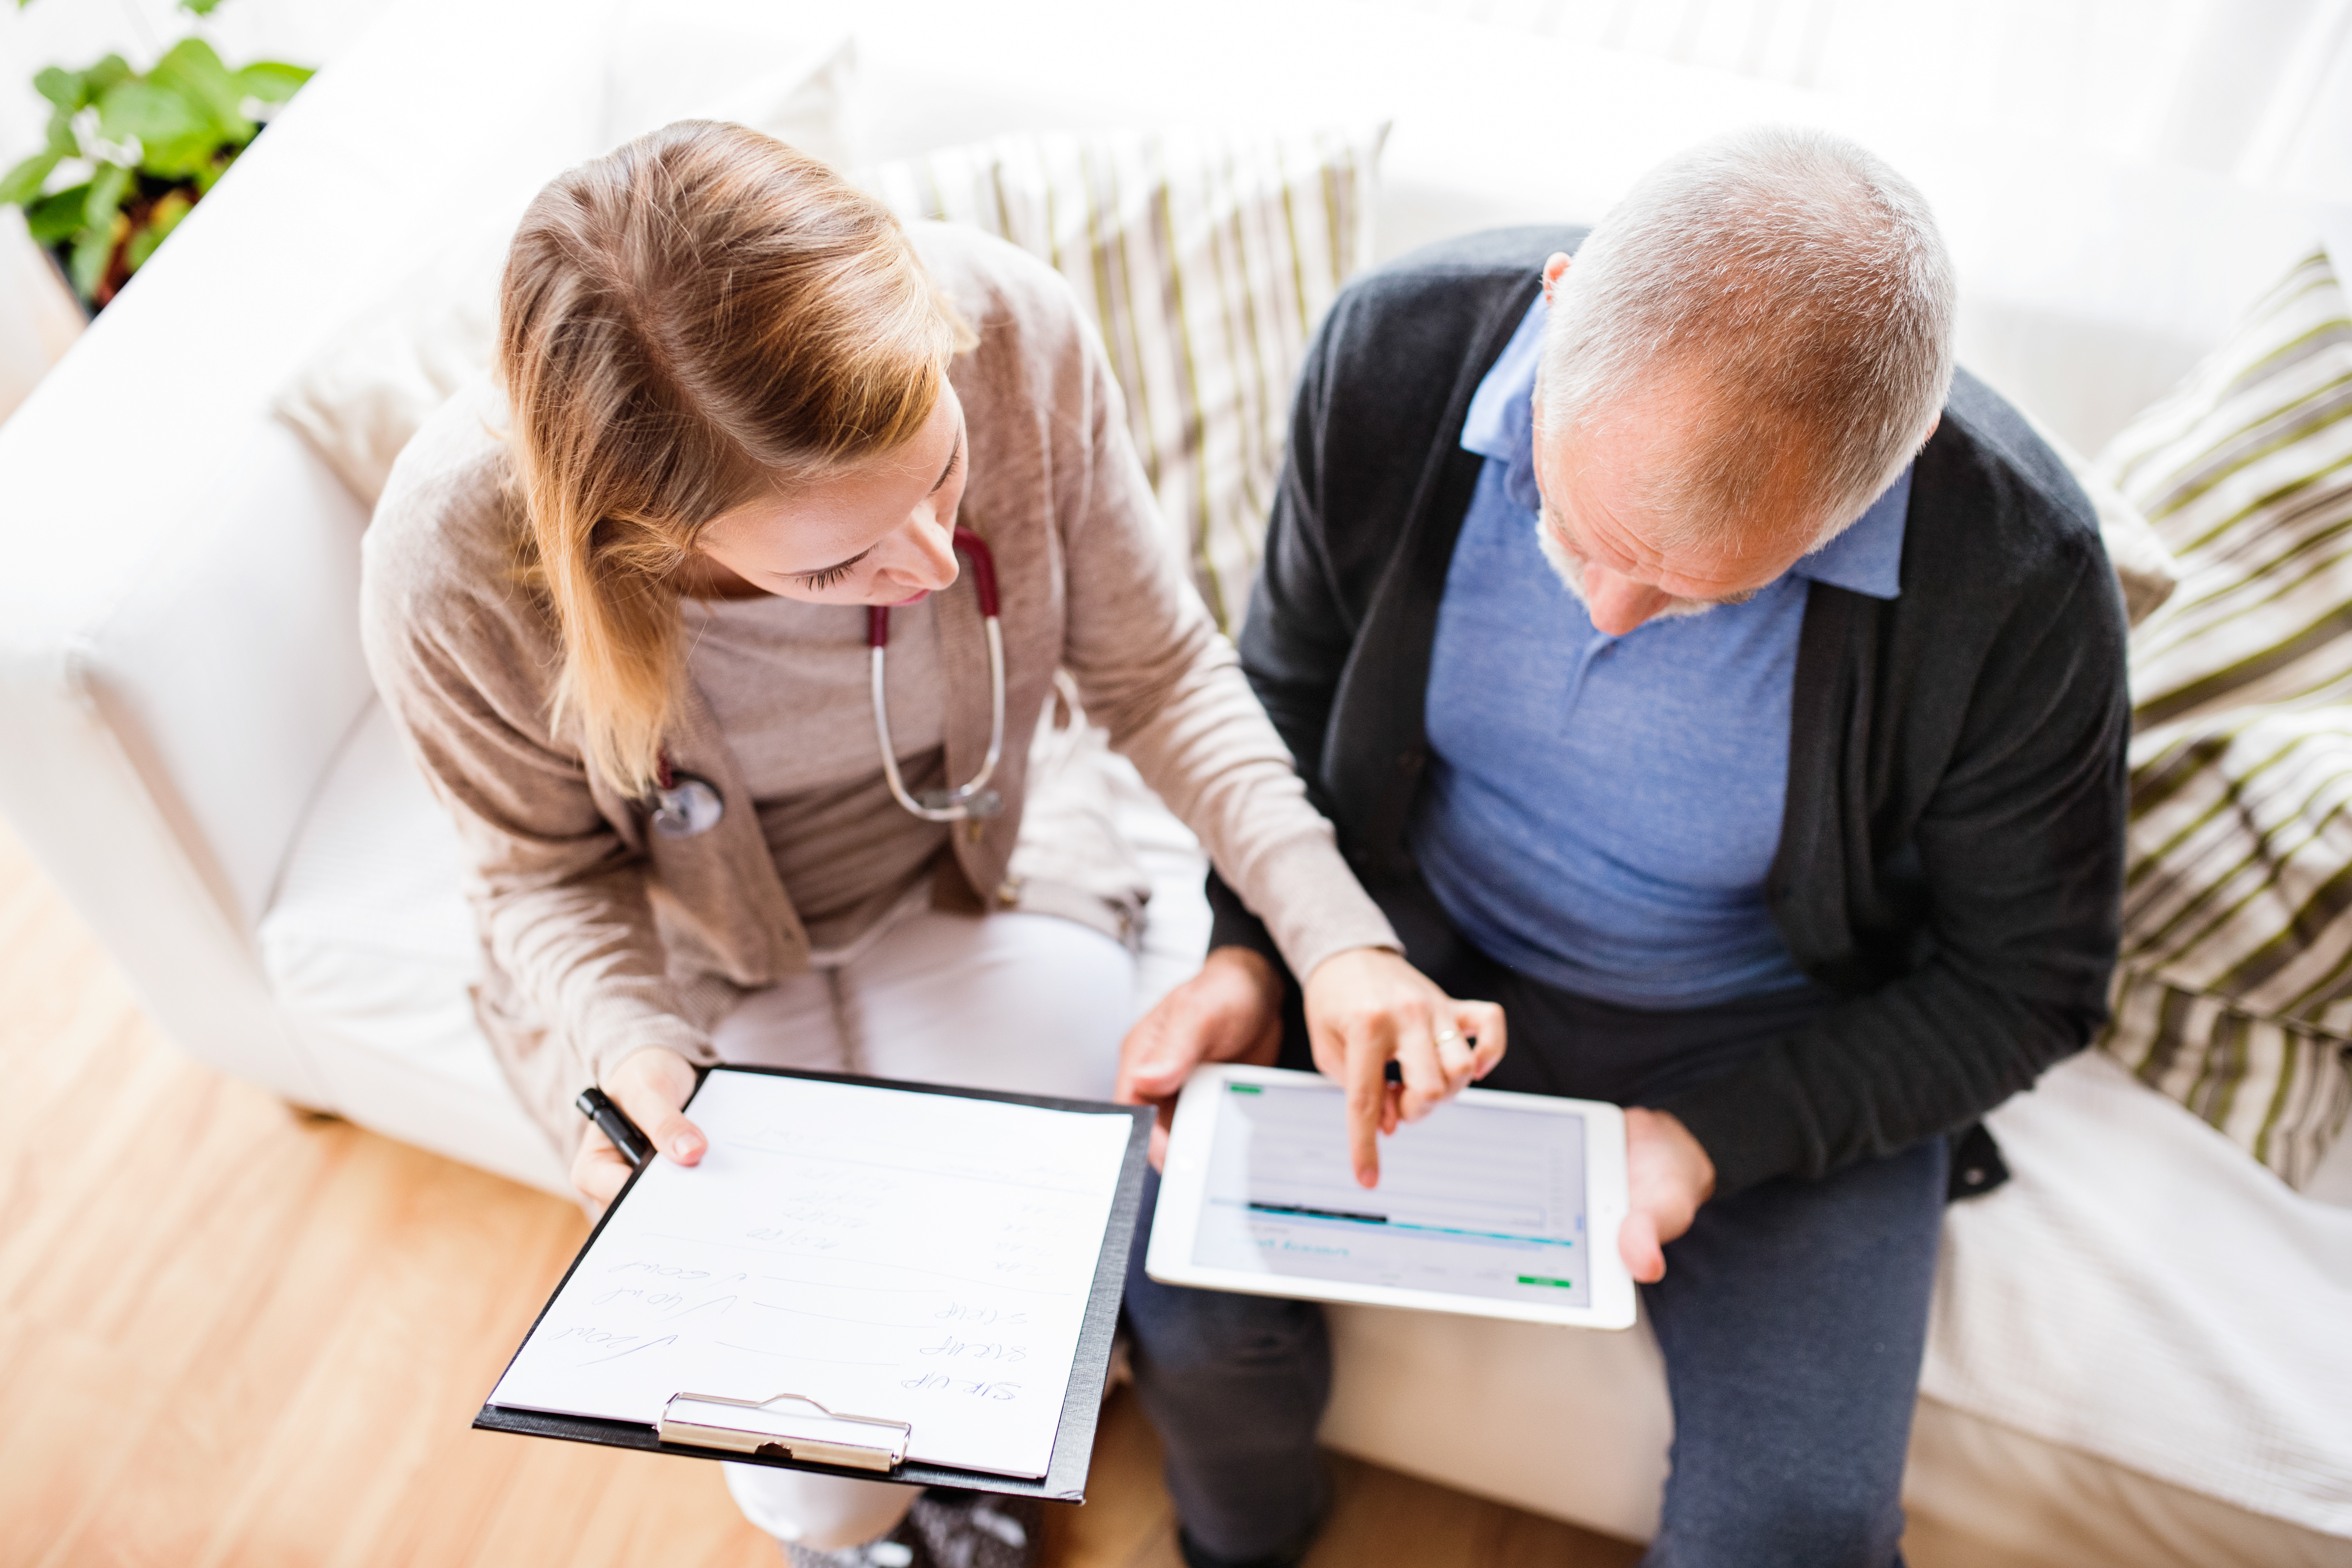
(193, 8)
(190, 69)
(54, 218)
(176, 137)
(272, 81)
(93, 247)
(21, 186)
(113, 69)
(107, 190)
(71, 90)
(60, 87)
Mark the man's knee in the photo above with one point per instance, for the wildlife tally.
(1816, 1518)
(1185, 1332)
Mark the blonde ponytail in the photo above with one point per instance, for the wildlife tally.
(696, 317)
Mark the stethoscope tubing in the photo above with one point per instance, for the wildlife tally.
(972, 798)
(685, 805)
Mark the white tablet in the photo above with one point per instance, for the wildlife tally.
(1502, 1205)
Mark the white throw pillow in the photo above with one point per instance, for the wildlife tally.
(359, 399)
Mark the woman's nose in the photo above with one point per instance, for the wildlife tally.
(1618, 604)
(926, 558)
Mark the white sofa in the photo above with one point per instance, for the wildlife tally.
(190, 745)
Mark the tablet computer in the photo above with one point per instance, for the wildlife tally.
(1501, 1206)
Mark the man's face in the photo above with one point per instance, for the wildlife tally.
(1620, 557)
(1612, 549)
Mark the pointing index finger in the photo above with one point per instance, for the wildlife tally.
(1368, 1092)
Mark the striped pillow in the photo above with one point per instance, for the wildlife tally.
(1205, 259)
(2235, 990)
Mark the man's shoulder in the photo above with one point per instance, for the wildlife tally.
(1439, 293)
(1496, 256)
(1394, 364)
(1994, 504)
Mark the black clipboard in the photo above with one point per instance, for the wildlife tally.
(1066, 1475)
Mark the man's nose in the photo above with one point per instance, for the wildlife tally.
(1618, 604)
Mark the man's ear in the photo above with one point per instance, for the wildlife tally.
(1555, 268)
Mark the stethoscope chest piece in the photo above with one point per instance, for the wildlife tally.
(685, 806)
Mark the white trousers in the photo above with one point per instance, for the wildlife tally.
(1028, 1002)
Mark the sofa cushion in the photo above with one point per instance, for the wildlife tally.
(2246, 473)
(2234, 995)
(2142, 1292)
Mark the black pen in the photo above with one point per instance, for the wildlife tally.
(614, 1123)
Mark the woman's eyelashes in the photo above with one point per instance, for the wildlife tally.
(832, 576)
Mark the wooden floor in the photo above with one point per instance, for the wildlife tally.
(233, 1335)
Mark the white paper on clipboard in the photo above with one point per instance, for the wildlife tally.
(894, 1254)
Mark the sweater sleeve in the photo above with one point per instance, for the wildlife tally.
(2021, 848)
(1294, 642)
(1153, 668)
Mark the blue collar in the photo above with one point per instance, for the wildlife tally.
(1865, 558)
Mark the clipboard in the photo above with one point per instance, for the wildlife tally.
(794, 1433)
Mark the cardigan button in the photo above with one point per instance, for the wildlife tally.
(1008, 891)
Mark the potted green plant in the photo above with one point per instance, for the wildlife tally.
(127, 153)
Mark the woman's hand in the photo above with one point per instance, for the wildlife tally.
(652, 1087)
(1667, 1176)
(1230, 1011)
(1366, 1007)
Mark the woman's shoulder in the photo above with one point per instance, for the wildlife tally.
(443, 545)
(1019, 306)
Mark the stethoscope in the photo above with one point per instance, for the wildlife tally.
(685, 805)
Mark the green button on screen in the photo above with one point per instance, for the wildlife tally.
(1539, 1280)
(1246, 1088)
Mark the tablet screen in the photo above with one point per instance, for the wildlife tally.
(1475, 1200)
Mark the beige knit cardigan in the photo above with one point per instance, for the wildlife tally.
(602, 939)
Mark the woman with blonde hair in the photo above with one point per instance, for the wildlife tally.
(619, 597)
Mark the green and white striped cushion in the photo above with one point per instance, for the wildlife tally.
(2235, 990)
(1205, 259)
(2246, 472)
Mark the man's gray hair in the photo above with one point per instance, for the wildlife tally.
(1798, 286)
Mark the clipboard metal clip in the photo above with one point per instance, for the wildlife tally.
(788, 1426)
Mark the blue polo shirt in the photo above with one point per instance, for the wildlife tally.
(1602, 813)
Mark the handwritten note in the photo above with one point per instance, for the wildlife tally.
(886, 1253)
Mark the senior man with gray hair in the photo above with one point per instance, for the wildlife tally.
(1694, 664)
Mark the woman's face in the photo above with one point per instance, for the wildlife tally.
(879, 533)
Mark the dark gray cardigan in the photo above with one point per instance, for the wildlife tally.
(1952, 854)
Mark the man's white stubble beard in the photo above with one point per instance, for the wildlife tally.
(1570, 567)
